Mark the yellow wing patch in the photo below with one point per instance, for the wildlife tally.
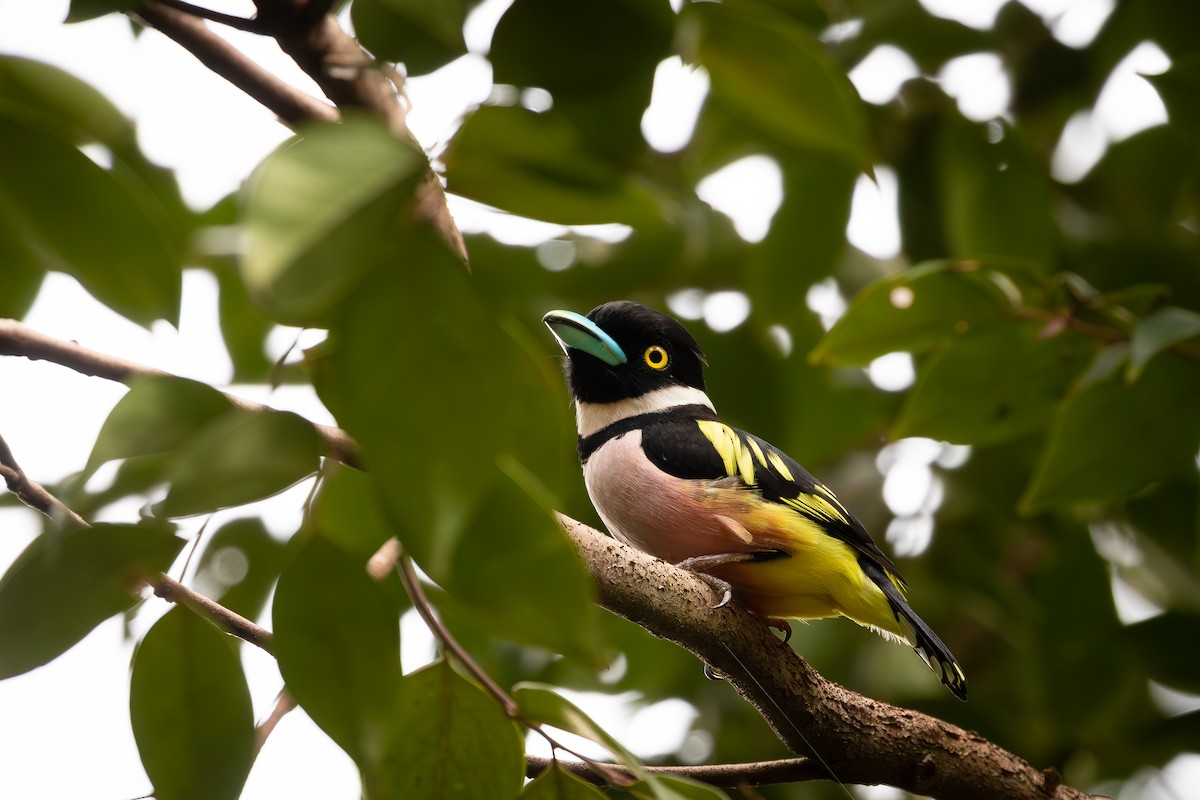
(730, 447)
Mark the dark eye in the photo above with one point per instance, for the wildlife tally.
(655, 357)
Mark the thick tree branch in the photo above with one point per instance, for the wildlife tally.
(241, 23)
(19, 340)
(860, 740)
(290, 104)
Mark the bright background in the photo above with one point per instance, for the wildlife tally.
(64, 732)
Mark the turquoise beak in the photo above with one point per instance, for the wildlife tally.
(575, 331)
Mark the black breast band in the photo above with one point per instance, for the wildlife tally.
(590, 444)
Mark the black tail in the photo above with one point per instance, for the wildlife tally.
(920, 636)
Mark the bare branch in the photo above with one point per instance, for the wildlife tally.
(860, 740)
(231, 622)
(241, 23)
(33, 494)
(19, 340)
(757, 773)
(290, 104)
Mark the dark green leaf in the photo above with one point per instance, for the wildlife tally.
(239, 566)
(337, 640)
(778, 77)
(1156, 643)
(20, 280)
(1164, 328)
(191, 711)
(422, 36)
(674, 787)
(240, 457)
(996, 197)
(1111, 439)
(74, 216)
(89, 9)
(244, 327)
(323, 209)
(159, 414)
(63, 585)
(84, 113)
(538, 165)
(917, 310)
(1180, 90)
(451, 741)
(558, 784)
(993, 386)
(350, 512)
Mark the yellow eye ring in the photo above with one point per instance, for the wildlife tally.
(655, 357)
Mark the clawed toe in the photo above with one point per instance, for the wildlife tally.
(782, 626)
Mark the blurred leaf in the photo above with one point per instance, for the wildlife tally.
(239, 457)
(321, 210)
(69, 214)
(1111, 439)
(916, 310)
(84, 112)
(20, 281)
(159, 414)
(537, 165)
(191, 711)
(450, 740)
(350, 514)
(778, 77)
(64, 584)
(997, 198)
(244, 328)
(1164, 328)
(337, 640)
(422, 36)
(558, 784)
(239, 566)
(674, 787)
(993, 386)
(541, 703)
(1155, 642)
(452, 401)
(89, 9)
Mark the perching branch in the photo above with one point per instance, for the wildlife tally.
(858, 739)
(19, 340)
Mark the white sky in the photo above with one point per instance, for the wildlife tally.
(65, 730)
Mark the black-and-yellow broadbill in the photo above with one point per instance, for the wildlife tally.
(668, 477)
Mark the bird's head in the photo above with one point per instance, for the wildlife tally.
(622, 350)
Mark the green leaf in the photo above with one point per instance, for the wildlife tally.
(453, 402)
(159, 414)
(451, 741)
(993, 386)
(239, 566)
(1110, 439)
(66, 213)
(337, 640)
(59, 96)
(350, 513)
(82, 10)
(191, 711)
(541, 703)
(1162, 329)
(1180, 90)
(422, 36)
(239, 457)
(1156, 643)
(777, 77)
(63, 585)
(20, 280)
(558, 784)
(916, 310)
(244, 328)
(538, 165)
(674, 787)
(997, 198)
(323, 209)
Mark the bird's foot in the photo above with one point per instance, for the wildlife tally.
(699, 565)
(711, 673)
(782, 626)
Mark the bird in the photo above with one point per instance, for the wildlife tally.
(667, 476)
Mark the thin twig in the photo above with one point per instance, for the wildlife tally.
(241, 23)
(32, 493)
(284, 703)
(412, 584)
(17, 339)
(229, 621)
(759, 773)
(290, 104)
